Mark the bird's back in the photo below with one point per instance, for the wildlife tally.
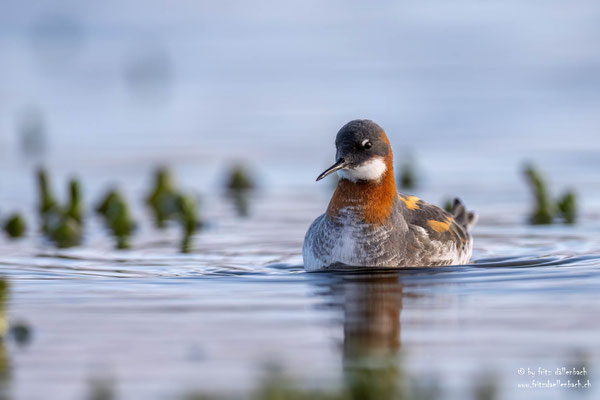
(436, 237)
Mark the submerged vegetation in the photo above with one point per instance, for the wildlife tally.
(239, 184)
(567, 207)
(188, 218)
(167, 203)
(239, 178)
(407, 177)
(543, 212)
(117, 218)
(162, 198)
(448, 205)
(15, 226)
(63, 225)
(385, 381)
(74, 208)
(545, 208)
(18, 332)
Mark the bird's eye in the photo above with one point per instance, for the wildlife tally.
(367, 144)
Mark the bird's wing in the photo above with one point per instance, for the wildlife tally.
(439, 225)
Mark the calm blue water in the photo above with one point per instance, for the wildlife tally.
(470, 90)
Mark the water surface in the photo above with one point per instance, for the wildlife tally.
(163, 324)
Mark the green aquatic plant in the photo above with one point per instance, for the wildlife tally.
(239, 178)
(162, 197)
(61, 224)
(103, 206)
(567, 207)
(407, 178)
(369, 379)
(543, 212)
(373, 383)
(117, 218)
(121, 225)
(15, 226)
(276, 385)
(167, 203)
(75, 207)
(448, 205)
(47, 201)
(20, 331)
(239, 184)
(188, 217)
(546, 209)
(65, 232)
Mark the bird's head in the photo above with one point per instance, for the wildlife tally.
(363, 152)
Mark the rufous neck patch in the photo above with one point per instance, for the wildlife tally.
(374, 199)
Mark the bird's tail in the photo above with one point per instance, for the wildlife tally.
(463, 217)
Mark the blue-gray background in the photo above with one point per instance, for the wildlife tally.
(489, 83)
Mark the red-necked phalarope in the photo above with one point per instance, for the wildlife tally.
(368, 223)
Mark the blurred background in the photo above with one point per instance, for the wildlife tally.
(467, 91)
(136, 82)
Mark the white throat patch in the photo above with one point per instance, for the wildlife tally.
(371, 170)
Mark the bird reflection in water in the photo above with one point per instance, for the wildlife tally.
(371, 304)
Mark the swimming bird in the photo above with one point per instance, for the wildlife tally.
(369, 224)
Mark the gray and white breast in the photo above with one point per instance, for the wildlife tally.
(347, 241)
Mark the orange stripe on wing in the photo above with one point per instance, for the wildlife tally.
(440, 226)
(411, 202)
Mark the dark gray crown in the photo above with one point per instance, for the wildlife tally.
(351, 141)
